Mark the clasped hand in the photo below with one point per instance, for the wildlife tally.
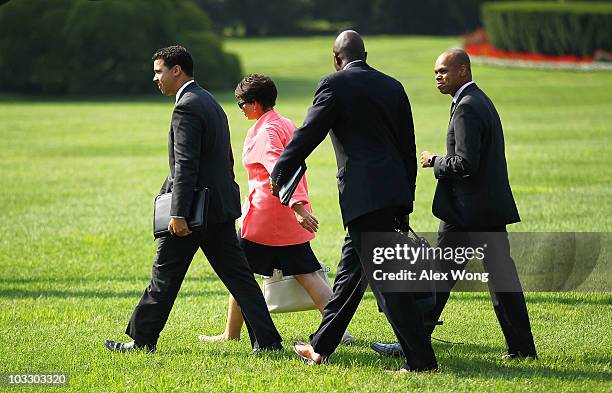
(178, 226)
(426, 159)
(305, 219)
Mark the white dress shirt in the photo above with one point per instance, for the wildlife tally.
(458, 93)
(348, 64)
(178, 93)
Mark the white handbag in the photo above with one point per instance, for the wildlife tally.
(285, 294)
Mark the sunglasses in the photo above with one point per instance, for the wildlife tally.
(241, 104)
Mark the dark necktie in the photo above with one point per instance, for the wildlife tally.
(452, 108)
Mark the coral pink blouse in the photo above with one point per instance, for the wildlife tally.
(264, 219)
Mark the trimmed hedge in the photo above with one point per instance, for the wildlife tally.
(577, 29)
(104, 47)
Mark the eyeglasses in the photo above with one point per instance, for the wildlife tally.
(241, 104)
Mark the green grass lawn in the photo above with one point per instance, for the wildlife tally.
(76, 249)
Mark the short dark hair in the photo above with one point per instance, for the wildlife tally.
(256, 87)
(459, 57)
(176, 55)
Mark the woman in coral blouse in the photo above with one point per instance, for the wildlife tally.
(273, 236)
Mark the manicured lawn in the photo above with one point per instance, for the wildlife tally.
(76, 250)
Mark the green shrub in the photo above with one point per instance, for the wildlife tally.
(104, 47)
(551, 28)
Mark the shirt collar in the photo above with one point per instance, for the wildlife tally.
(348, 64)
(458, 93)
(178, 93)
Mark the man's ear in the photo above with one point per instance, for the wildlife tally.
(337, 62)
(462, 70)
(176, 70)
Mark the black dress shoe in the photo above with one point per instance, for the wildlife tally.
(132, 346)
(392, 350)
(520, 355)
(277, 346)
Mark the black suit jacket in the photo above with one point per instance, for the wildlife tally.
(473, 190)
(200, 155)
(372, 133)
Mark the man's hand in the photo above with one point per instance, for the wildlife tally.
(274, 188)
(426, 159)
(305, 219)
(178, 226)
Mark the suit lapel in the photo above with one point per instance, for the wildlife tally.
(187, 88)
(171, 153)
(454, 105)
(171, 159)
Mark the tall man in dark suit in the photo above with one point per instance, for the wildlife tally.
(200, 155)
(373, 137)
(474, 200)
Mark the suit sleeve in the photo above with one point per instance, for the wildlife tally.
(407, 141)
(188, 130)
(271, 151)
(319, 120)
(468, 128)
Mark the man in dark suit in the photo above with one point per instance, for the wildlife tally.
(200, 155)
(474, 201)
(373, 137)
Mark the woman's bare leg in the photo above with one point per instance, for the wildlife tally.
(316, 287)
(233, 326)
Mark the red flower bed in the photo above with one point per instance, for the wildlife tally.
(477, 44)
(488, 50)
